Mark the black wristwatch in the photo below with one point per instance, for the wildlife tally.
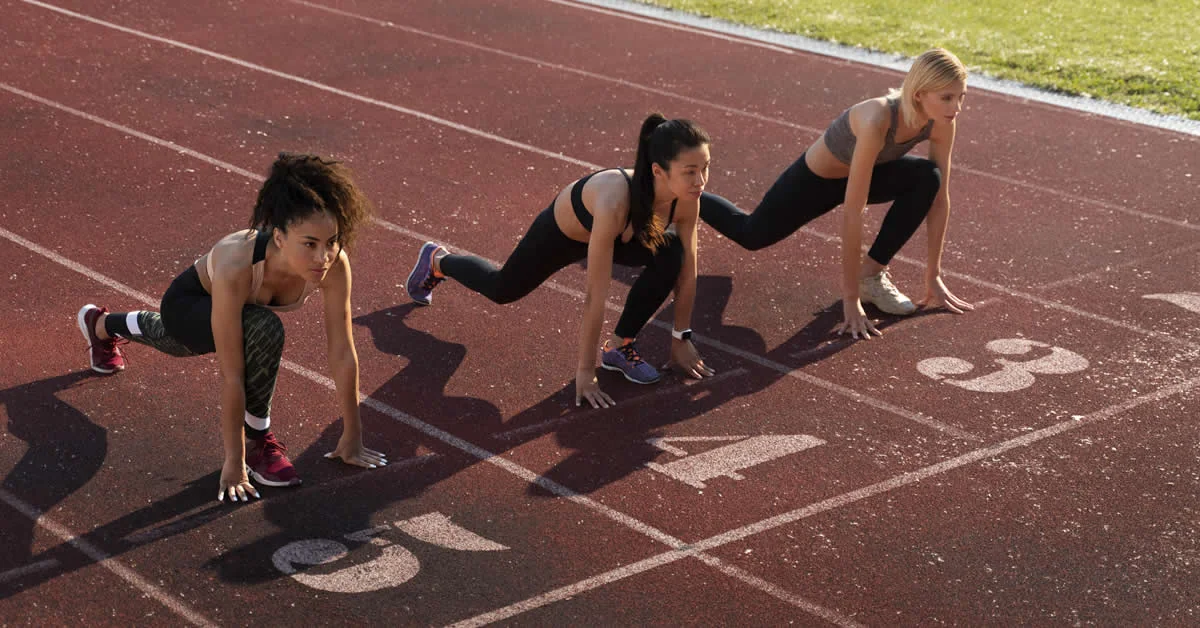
(681, 335)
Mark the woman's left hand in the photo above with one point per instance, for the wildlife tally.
(936, 293)
(355, 454)
(685, 358)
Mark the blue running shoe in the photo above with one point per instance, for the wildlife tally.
(625, 359)
(422, 281)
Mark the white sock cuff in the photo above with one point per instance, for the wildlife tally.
(132, 324)
(257, 423)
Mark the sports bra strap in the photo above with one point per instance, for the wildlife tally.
(260, 246)
(581, 212)
(894, 106)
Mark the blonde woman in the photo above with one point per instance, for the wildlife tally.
(862, 158)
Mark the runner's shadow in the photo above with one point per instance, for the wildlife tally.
(65, 450)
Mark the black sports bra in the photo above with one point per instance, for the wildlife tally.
(585, 217)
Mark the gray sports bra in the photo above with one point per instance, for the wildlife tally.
(840, 138)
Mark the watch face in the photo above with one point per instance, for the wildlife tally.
(687, 335)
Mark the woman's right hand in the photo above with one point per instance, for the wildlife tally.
(855, 320)
(234, 482)
(586, 387)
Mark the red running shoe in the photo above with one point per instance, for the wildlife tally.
(266, 463)
(104, 354)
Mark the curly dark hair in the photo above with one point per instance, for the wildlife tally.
(300, 186)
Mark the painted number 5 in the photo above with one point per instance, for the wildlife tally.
(1013, 375)
(391, 567)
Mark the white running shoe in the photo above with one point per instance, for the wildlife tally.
(879, 290)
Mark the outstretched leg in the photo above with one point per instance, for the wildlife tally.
(796, 198)
(542, 252)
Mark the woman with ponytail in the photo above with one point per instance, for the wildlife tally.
(306, 217)
(608, 217)
(861, 158)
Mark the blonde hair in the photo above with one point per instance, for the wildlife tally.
(933, 70)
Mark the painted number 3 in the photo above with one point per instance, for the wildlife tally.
(1013, 374)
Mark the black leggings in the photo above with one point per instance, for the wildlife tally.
(545, 250)
(184, 328)
(799, 196)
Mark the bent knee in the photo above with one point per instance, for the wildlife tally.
(670, 254)
(928, 175)
(262, 327)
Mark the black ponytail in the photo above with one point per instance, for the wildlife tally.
(300, 186)
(659, 142)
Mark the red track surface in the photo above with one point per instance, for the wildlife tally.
(1071, 499)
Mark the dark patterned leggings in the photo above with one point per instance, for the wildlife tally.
(184, 328)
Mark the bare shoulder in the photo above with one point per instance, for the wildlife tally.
(608, 194)
(232, 255)
(871, 117)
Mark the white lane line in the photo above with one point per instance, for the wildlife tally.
(208, 512)
(778, 592)
(553, 285)
(959, 167)
(571, 590)
(556, 66)
(839, 501)
(1096, 274)
(876, 61)
(41, 565)
(407, 419)
(678, 26)
(133, 132)
(1083, 200)
(104, 560)
(316, 85)
(623, 406)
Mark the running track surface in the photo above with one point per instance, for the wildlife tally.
(1033, 462)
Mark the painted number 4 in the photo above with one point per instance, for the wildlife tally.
(1013, 374)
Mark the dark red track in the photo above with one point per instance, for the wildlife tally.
(1071, 499)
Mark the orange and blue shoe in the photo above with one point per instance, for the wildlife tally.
(267, 464)
(105, 355)
(422, 280)
(626, 360)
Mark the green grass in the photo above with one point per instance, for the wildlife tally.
(1143, 53)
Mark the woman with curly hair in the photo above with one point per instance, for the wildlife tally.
(306, 216)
